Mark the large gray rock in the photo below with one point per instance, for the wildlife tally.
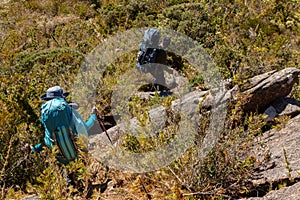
(188, 104)
(262, 90)
(252, 82)
(278, 153)
(283, 106)
(220, 97)
(288, 193)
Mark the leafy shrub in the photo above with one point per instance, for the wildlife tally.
(42, 43)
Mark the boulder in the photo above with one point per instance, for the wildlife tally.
(283, 106)
(252, 82)
(278, 157)
(187, 104)
(291, 192)
(215, 98)
(262, 90)
(277, 151)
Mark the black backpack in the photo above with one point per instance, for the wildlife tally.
(150, 52)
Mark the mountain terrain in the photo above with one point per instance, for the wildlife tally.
(245, 92)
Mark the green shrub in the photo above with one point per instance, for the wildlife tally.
(42, 43)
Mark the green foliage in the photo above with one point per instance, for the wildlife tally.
(42, 43)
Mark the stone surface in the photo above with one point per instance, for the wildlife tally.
(253, 82)
(278, 155)
(285, 193)
(262, 90)
(282, 151)
(277, 151)
(220, 97)
(283, 106)
(187, 104)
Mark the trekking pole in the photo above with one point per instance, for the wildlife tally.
(103, 127)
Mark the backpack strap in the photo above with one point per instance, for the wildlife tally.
(73, 139)
(65, 143)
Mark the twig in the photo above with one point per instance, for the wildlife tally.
(3, 190)
(144, 188)
(3, 170)
(181, 182)
(204, 193)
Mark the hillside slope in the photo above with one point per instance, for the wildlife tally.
(44, 43)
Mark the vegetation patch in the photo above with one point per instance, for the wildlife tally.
(43, 43)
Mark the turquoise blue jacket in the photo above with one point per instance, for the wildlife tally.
(78, 126)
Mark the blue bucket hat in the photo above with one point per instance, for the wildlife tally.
(54, 92)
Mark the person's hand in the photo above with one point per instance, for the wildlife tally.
(170, 71)
(94, 110)
(27, 148)
(74, 105)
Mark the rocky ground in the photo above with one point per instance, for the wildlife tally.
(268, 93)
(276, 151)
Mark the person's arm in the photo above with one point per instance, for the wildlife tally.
(37, 148)
(90, 122)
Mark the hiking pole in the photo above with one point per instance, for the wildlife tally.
(103, 127)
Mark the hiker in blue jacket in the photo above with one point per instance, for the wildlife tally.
(64, 137)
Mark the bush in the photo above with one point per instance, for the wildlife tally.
(43, 43)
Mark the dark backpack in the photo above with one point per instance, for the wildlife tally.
(62, 126)
(150, 52)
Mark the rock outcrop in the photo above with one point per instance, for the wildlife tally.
(262, 90)
(284, 151)
(187, 104)
(283, 106)
(278, 155)
(288, 193)
(277, 151)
